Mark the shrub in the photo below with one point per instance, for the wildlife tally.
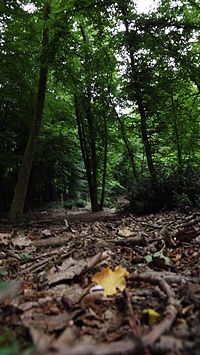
(181, 189)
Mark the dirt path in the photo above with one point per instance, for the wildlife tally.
(48, 262)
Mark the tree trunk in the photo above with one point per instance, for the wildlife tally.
(125, 139)
(90, 120)
(145, 140)
(138, 96)
(17, 205)
(91, 161)
(179, 155)
(105, 163)
(1, 188)
(83, 145)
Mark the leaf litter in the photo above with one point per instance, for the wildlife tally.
(147, 269)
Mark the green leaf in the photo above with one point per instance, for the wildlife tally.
(148, 258)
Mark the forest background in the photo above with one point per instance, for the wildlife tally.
(98, 99)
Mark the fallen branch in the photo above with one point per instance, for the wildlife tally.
(128, 347)
(189, 223)
(171, 309)
(169, 343)
(169, 277)
(137, 332)
(131, 241)
(50, 242)
(132, 321)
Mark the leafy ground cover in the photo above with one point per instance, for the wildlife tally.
(149, 267)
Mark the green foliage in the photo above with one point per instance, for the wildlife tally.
(165, 45)
(60, 166)
(160, 258)
(14, 341)
(26, 257)
(6, 338)
(148, 198)
(70, 203)
(178, 190)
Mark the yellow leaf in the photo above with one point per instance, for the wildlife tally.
(111, 280)
(152, 315)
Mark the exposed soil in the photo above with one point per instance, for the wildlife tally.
(48, 262)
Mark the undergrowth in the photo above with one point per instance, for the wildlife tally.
(180, 190)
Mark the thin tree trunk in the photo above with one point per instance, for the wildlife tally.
(83, 145)
(1, 189)
(95, 206)
(145, 139)
(17, 205)
(105, 162)
(140, 105)
(125, 139)
(179, 155)
(89, 115)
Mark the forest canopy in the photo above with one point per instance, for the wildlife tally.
(98, 99)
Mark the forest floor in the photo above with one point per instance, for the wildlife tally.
(48, 302)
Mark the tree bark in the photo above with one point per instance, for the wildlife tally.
(17, 205)
(179, 154)
(1, 188)
(105, 163)
(125, 139)
(95, 205)
(145, 139)
(139, 101)
(89, 154)
(83, 145)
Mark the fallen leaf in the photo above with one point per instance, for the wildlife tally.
(166, 236)
(152, 315)
(21, 242)
(46, 233)
(111, 280)
(148, 258)
(186, 234)
(72, 267)
(5, 238)
(161, 259)
(124, 232)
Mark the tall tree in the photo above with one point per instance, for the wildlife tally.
(137, 91)
(127, 144)
(17, 205)
(90, 52)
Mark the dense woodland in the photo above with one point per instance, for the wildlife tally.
(99, 103)
(98, 100)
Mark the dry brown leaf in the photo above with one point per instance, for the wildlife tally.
(124, 232)
(72, 267)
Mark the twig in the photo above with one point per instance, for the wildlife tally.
(171, 309)
(132, 321)
(128, 347)
(153, 226)
(162, 327)
(51, 242)
(133, 324)
(167, 344)
(169, 277)
(189, 223)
